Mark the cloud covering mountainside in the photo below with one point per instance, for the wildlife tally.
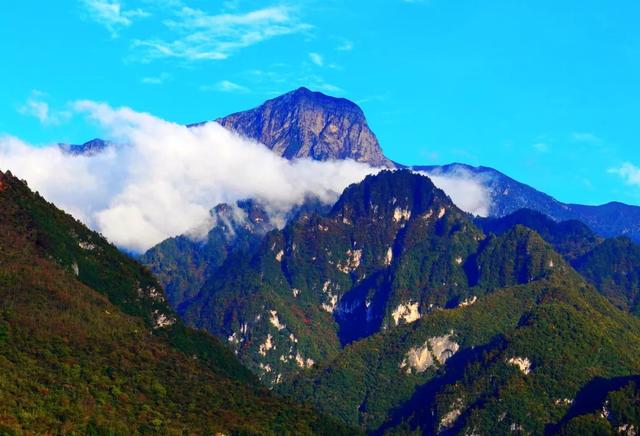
(163, 178)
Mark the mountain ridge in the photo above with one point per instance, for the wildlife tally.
(88, 344)
(508, 195)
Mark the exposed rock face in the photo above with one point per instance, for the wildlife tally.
(523, 364)
(436, 349)
(406, 312)
(418, 358)
(303, 124)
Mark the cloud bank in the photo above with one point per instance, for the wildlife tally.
(167, 177)
(164, 178)
(467, 190)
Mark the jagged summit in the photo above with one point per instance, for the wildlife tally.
(303, 123)
(89, 148)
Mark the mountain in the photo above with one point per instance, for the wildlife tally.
(299, 124)
(611, 265)
(89, 148)
(605, 406)
(89, 344)
(183, 263)
(614, 268)
(295, 125)
(392, 250)
(306, 124)
(509, 195)
(514, 361)
(394, 312)
(570, 238)
(328, 279)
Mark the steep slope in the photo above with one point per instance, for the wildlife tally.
(513, 360)
(509, 195)
(90, 346)
(310, 124)
(393, 249)
(611, 265)
(614, 268)
(604, 406)
(182, 264)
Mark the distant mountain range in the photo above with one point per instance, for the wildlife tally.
(509, 195)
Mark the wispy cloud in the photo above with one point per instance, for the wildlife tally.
(628, 172)
(278, 79)
(346, 45)
(541, 147)
(327, 87)
(111, 14)
(156, 80)
(199, 36)
(225, 86)
(37, 107)
(585, 137)
(316, 58)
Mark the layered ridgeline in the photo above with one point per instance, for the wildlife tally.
(508, 196)
(89, 345)
(611, 265)
(309, 124)
(394, 311)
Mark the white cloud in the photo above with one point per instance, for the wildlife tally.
(628, 172)
(37, 107)
(111, 14)
(585, 137)
(467, 190)
(327, 87)
(225, 86)
(166, 178)
(316, 58)
(156, 80)
(282, 78)
(541, 147)
(200, 36)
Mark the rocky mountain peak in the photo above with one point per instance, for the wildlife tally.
(303, 123)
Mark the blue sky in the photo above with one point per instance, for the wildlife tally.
(545, 91)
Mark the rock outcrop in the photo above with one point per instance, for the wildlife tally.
(306, 124)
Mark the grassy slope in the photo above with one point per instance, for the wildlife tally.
(80, 353)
